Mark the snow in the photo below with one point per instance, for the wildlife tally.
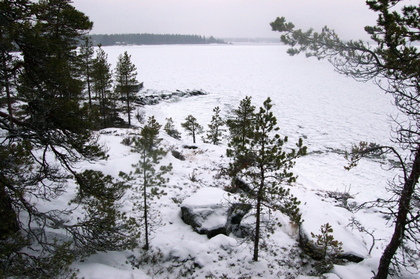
(329, 111)
(207, 196)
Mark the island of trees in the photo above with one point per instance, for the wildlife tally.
(152, 39)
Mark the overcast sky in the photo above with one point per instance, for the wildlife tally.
(225, 18)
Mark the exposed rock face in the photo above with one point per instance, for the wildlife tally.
(152, 97)
(236, 212)
(210, 212)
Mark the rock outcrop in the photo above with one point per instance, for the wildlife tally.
(207, 212)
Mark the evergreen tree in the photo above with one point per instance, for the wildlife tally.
(394, 65)
(269, 169)
(215, 132)
(328, 248)
(86, 57)
(102, 82)
(239, 127)
(107, 228)
(170, 129)
(43, 139)
(152, 177)
(125, 77)
(192, 127)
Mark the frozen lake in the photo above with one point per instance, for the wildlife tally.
(311, 99)
(330, 111)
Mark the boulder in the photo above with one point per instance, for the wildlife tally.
(212, 220)
(207, 212)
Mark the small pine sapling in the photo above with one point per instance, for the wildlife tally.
(215, 132)
(192, 127)
(170, 129)
(149, 171)
(327, 247)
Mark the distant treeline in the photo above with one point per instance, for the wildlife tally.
(152, 39)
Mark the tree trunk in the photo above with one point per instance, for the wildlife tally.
(400, 223)
(8, 219)
(258, 215)
(146, 222)
(257, 229)
(88, 87)
(103, 108)
(128, 109)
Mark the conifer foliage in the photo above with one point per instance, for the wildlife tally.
(149, 171)
(102, 82)
(268, 166)
(43, 137)
(86, 63)
(192, 126)
(125, 76)
(328, 248)
(170, 129)
(239, 127)
(215, 132)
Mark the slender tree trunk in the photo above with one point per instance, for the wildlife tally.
(88, 87)
(193, 134)
(258, 215)
(127, 89)
(128, 109)
(401, 222)
(9, 103)
(102, 101)
(145, 209)
(257, 229)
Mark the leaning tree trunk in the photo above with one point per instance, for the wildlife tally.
(400, 224)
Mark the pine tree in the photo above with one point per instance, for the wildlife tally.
(102, 82)
(149, 172)
(215, 132)
(49, 136)
(192, 127)
(269, 169)
(125, 77)
(239, 128)
(86, 65)
(109, 228)
(328, 248)
(170, 129)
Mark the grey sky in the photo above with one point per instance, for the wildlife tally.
(225, 18)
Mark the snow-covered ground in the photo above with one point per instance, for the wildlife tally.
(329, 111)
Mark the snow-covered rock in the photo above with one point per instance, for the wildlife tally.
(310, 249)
(209, 213)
